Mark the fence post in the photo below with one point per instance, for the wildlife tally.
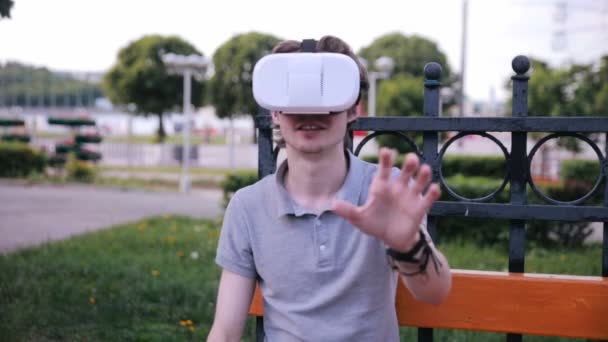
(266, 161)
(519, 166)
(432, 85)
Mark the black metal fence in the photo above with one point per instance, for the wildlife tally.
(518, 160)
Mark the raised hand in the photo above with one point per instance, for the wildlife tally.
(395, 207)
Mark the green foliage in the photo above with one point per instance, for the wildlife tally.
(237, 180)
(474, 165)
(467, 165)
(78, 170)
(410, 54)
(20, 160)
(139, 77)
(5, 8)
(581, 170)
(577, 90)
(230, 87)
(25, 85)
(403, 93)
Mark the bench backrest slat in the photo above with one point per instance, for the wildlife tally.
(537, 304)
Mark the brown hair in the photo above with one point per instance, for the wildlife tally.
(325, 44)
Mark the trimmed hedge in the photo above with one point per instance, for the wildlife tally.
(581, 170)
(235, 181)
(20, 160)
(483, 231)
(478, 166)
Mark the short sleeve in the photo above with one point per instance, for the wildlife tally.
(234, 252)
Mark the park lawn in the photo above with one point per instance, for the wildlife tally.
(155, 280)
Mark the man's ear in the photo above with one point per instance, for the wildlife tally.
(275, 117)
(352, 114)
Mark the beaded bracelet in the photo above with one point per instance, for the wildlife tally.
(418, 255)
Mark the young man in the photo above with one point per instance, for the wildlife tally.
(325, 234)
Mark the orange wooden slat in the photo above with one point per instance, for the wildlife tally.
(257, 303)
(538, 304)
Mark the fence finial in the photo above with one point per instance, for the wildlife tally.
(520, 64)
(432, 71)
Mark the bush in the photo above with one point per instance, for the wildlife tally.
(79, 171)
(237, 180)
(494, 231)
(478, 166)
(20, 160)
(581, 170)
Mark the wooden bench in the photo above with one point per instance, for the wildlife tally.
(536, 304)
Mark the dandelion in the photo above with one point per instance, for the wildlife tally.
(141, 226)
(155, 273)
(171, 240)
(189, 322)
(194, 255)
(191, 329)
(173, 228)
(183, 323)
(179, 254)
(92, 300)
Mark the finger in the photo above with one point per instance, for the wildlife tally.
(386, 163)
(431, 196)
(410, 164)
(346, 210)
(422, 179)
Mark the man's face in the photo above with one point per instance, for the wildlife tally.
(313, 133)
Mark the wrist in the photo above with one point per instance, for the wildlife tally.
(405, 246)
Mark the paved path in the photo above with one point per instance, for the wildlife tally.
(30, 215)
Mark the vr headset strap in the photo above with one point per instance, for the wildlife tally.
(309, 45)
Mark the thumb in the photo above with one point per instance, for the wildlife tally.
(345, 210)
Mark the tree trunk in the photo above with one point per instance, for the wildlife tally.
(161, 134)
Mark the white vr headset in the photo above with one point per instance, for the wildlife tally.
(307, 82)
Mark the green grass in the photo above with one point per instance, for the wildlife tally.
(138, 282)
(47, 293)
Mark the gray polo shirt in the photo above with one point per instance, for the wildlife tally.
(321, 278)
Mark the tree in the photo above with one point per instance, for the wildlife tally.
(403, 93)
(5, 8)
(230, 86)
(140, 78)
(578, 90)
(410, 54)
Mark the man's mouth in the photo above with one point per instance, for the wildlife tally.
(309, 127)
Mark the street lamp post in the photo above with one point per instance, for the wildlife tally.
(188, 66)
(384, 66)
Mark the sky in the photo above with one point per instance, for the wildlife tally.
(86, 35)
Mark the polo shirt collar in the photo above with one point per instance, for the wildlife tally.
(349, 191)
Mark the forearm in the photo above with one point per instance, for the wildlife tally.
(233, 299)
(433, 285)
(223, 334)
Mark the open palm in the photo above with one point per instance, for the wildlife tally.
(395, 207)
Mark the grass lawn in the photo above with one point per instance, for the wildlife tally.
(156, 280)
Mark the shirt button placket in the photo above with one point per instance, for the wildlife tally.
(323, 248)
